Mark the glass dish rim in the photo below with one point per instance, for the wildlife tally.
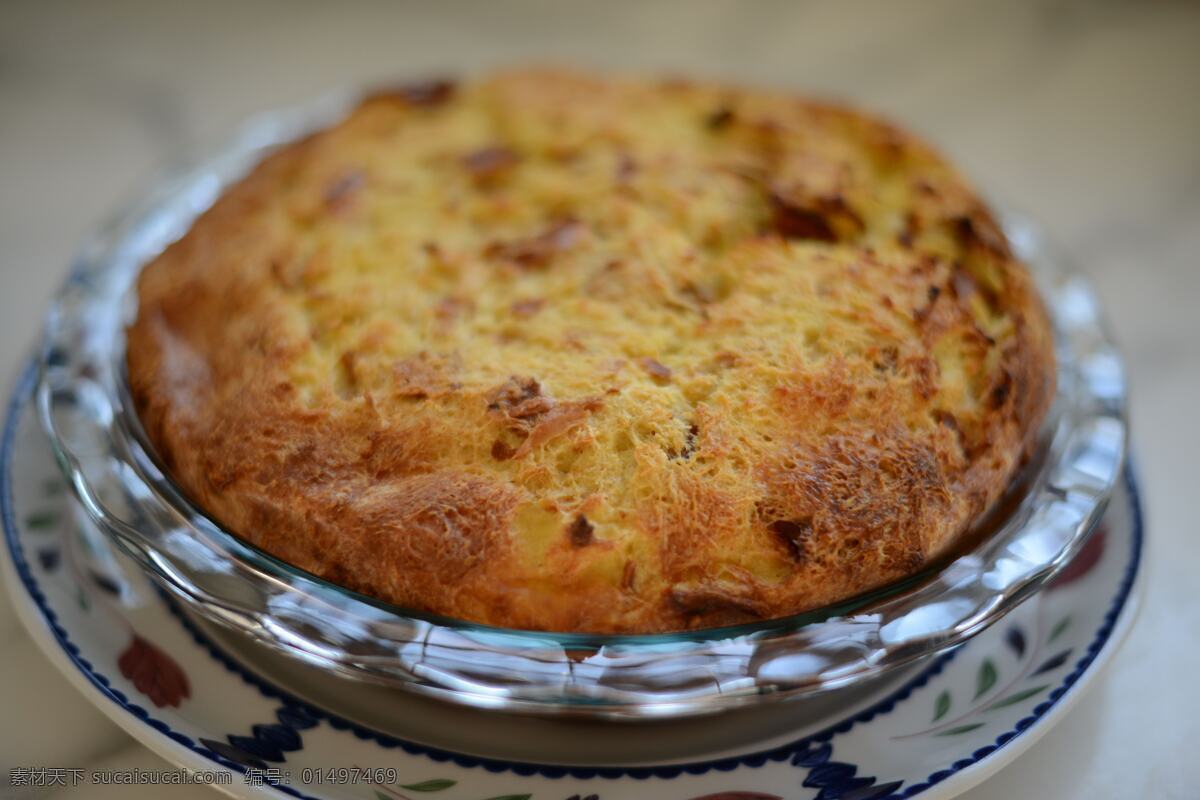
(275, 128)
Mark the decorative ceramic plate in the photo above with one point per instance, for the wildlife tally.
(208, 700)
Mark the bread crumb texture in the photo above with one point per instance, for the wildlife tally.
(558, 351)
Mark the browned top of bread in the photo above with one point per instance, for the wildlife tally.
(558, 351)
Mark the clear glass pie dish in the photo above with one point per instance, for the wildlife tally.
(84, 406)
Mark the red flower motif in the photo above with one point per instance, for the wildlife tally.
(1083, 562)
(154, 673)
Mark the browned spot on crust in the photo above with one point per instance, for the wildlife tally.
(794, 533)
(527, 307)
(341, 193)
(979, 229)
(888, 359)
(420, 94)
(932, 294)
(964, 285)
(452, 308)
(422, 376)
(793, 221)
(628, 575)
(626, 168)
(519, 399)
(401, 451)
(580, 531)
(347, 378)
(699, 296)
(887, 488)
(726, 359)
(1001, 391)
(689, 442)
(727, 603)
(490, 163)
(450, 522)
(539, 250)
(912, 227)
(657, 370)
(558, 420)
(720, 119)
(531, 414)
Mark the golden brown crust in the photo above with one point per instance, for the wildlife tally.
(564, 352)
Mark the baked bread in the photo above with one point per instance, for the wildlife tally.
(557, 351)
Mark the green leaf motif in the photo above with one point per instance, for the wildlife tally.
(943, 705)
(1018, 697)
(53, 487)
(961, 729)
(40, 520)
(1054, 662)
(511, 797)
(435, 785)
(82, 598)
(1062, 626)
(986, 678)
(381, 796)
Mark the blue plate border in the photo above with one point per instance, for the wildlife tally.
(802, 751)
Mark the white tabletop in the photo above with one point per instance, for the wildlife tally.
(1084, 114)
